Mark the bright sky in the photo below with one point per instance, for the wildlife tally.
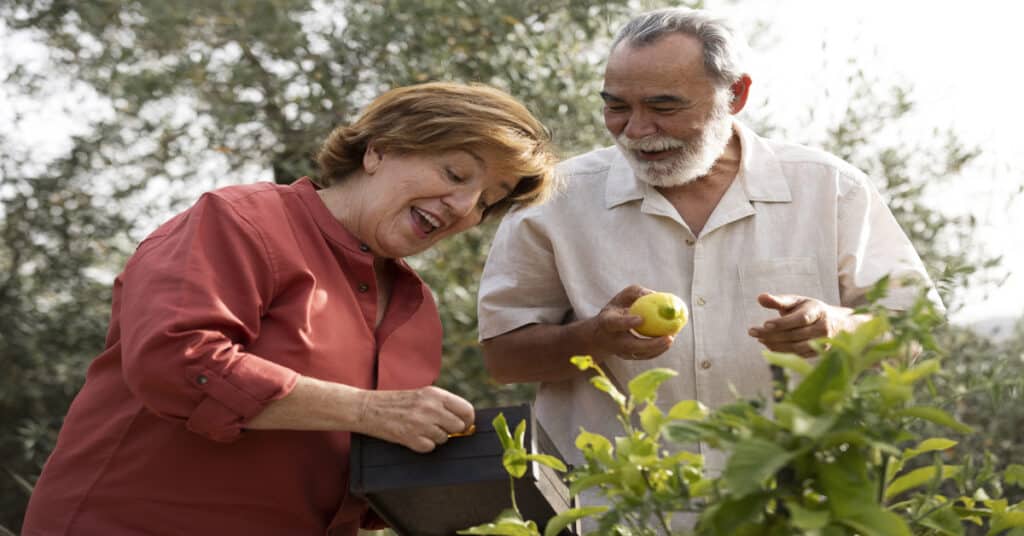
(957, 57)
(954, 54)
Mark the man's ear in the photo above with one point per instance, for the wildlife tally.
(740, 91)
(371, 159)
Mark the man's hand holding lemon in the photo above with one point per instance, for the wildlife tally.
(616, 327)
(664, 314)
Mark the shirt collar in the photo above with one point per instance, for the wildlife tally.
(622, 186)
(760, 174)
(760, 170)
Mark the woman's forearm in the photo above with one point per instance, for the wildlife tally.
(314, 405)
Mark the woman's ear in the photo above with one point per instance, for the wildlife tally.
(371, 159)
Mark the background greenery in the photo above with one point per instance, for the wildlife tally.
(199, 94)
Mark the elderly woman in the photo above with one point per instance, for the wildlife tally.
(252, 333)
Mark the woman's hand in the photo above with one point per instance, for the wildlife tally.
(421, 419)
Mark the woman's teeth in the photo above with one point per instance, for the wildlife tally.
(433, 222)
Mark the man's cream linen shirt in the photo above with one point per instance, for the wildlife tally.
(795, 221)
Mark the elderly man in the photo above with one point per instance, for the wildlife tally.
(771, 243)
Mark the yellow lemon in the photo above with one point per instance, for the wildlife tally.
(663, 313)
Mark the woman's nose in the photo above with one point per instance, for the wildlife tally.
(462, 202)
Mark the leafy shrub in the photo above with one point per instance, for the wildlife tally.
(838, 454)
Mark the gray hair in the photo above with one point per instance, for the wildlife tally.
(723, 48)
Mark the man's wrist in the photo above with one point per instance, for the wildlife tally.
(582, 339)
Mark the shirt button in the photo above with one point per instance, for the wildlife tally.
(705, 364)
(363, 287)
(701, 300)
(364, 247)
(689, 242)
(201, 380)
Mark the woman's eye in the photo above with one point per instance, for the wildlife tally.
(454, 177)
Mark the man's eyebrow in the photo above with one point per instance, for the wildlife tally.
(656, 99)
(667, 99)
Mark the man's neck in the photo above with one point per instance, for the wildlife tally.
(697, 199)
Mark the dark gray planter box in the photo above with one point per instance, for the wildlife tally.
(460, 484)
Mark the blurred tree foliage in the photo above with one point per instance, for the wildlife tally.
(200, 94)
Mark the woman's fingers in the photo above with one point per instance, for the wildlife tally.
(420, 419)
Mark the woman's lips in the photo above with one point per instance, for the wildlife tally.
(424, 222)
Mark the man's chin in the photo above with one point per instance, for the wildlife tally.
(666, 179)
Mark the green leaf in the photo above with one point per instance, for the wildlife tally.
(520, 433)
(631, 476)
(550, 461)
(936, 416)
(508, 523)
(651, 419)
(1015, 474)
(858, 340)
(846, 484)
(800, 423)
(789, 361)
(515, 462)
(685, 457)
(877, 522)
(595, 445)
(501, 428)
(730, 514)
(807, 519)
(751, 463)
(922, 369)
(879, 290)
(682, 432)
(919, 477)
(583, 362)
(688, 410)
(604, 384)
(504, 528)
(566, 518)
(1010, 519)
(590, 481)
(928, 445)
(644, 387)
(823, 386)
(944, 522)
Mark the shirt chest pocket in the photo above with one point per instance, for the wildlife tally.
(783, 275)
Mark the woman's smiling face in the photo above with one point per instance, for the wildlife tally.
(411, 201)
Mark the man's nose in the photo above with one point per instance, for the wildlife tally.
(639, 125)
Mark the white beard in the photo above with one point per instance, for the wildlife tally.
(695, 158)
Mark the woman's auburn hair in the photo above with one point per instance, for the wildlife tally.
(443, 116)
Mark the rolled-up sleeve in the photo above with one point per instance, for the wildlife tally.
(872, 245)
(193, 297)
(520, 284)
